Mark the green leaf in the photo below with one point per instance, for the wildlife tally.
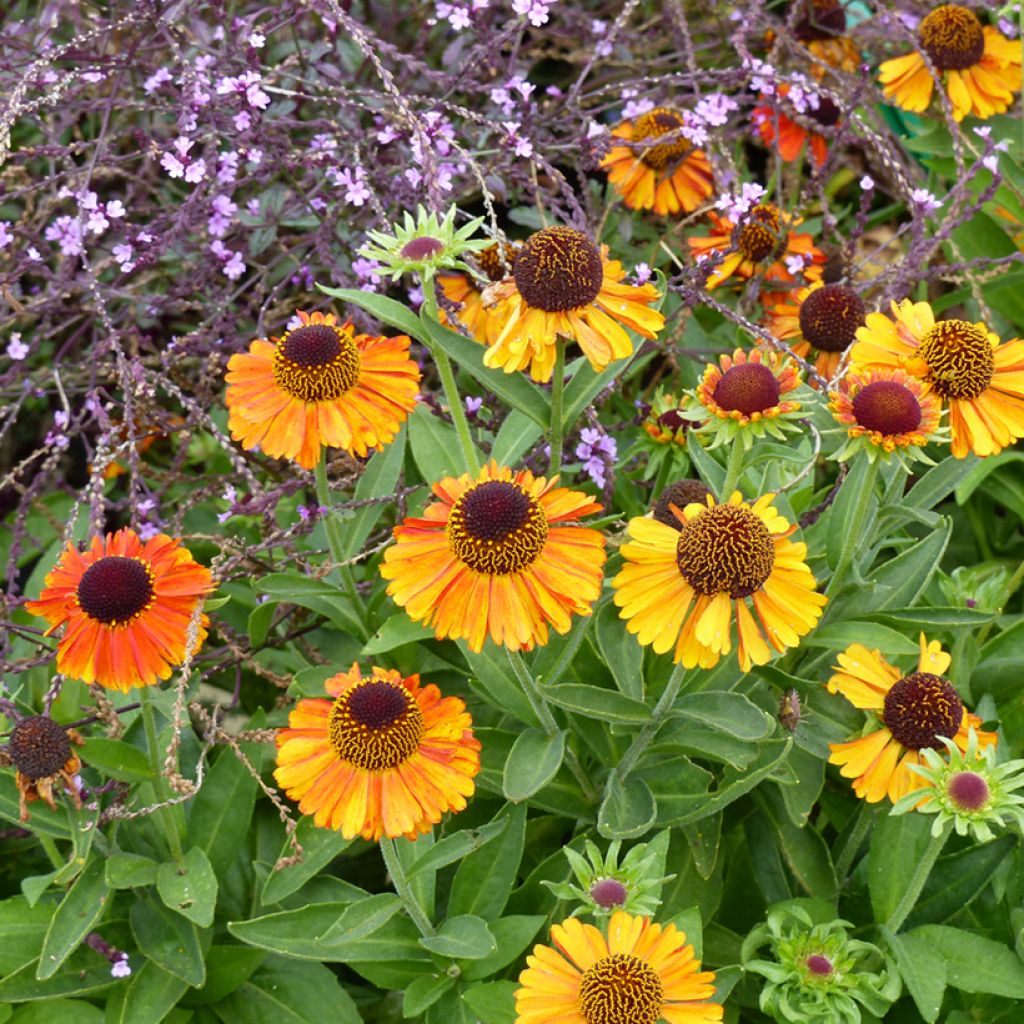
(938, 618)
(227, 967)
(923, 969)
(597, 702)
(386, 310)
(319, 847)
(516, 435)
(80, 909)
(397, 631)
(805, 852)
(378, 480)
(514, 389)
(129, 870)
(318, 595)
(731, 713)
(44, 821)
(628, 809)
(974, 963)
(485, 878)
(493, 680)
(532, 764)
(435, 445)
(424, 992)
(939, 482)
(22, 930)
(838, 636)
(854, 504)
(169, 940)
(290, 992)
(465, 937)
(493, 1002)
(259, 623)
(450, 1009)
(83, 973)
(512, 933)
(150, 995)
(189, 887)
(58, 1011)
(117, 760)
(622, 654)
(363, 917)
(455, 847)
(899, 844)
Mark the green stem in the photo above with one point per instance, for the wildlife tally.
(166, 819)
(547, 721)
(394, 865)
(854, 528)
(50, 847)
(336, 542)
(733, 469)
(451, 388)
(914, 884)
(556, 433)
(643, 738)
(853, 839)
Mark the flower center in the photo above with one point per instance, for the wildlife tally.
(608, 893)
(726, 549)
(830, 316)
(953, 37)
(39, 747)
(821, 19)
(826, 113)
(819, 964)
(680, 494)
(620, 989)
(748, 388)
(959, 358)
(887, 407)
(317, 363)
(375, 725)
(497, 528)
(489, 261)
(969, 791)
(558, 269)
(422, 248)
(673, 420)
(654, 124)
(115, 590)
(922, 707)
(760, 236)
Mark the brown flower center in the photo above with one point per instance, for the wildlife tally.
(673, 420)
(680, 494)
(115, 590)
(654, 124)
(748, 388)
(969, 791)
(725, 550)
(826, 113)
(888, 407)
(497, 528)
(375, 725)
(952, 37)
(830, 316)
(489, 261)
(608, 893)
(39, 747)
(558, 269)
(620, 989)
(959, 358)
(760, 236)
(317, 362)
(920, 708)
(821, 19)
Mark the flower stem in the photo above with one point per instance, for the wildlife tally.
(336, 542)
(547, 721)
(397, 872)
(451, 388)
(733, 469)
(555, 434)
(853, 839)
(643, 739)
(166, 819)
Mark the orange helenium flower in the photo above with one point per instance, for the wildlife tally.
(41, 752)
(682, 587)
(965, 364)
(385, 757)
(320, 385)
(980, 67)
(774, 123)
(749, 386)
(128, 606)
(643, 972)
(497, 557)
(665, 177)
(912, 712)
(463, 289)
(759, 243)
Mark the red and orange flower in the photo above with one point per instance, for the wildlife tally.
(773, 123)
(384, 757)
(128, 606)
(320, 385)
(42, 754)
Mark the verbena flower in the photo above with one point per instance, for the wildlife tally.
(424, 244)
(127, 605)
(641, 972)
(499, 556)
(604, 886)
(682, 587)
(979, 66)
(817, 973)
(384, 757)
(970, 789)
(908, 714)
